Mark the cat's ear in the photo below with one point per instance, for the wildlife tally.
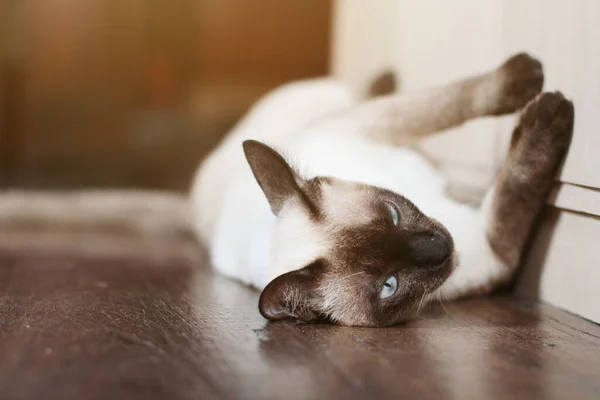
(293, 295)
(276, 177)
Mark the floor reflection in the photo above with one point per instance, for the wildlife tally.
(136, 322)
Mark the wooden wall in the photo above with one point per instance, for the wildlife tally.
(133, 93)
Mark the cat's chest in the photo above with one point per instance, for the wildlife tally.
(401, 170)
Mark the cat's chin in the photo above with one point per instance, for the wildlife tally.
(431, 278)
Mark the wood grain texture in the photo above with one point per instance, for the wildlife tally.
(150, 321)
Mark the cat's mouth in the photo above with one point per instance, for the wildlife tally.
(432, 277)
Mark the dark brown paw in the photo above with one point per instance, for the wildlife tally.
(520, 78)
(384, 84)
(546, 124)
(549, 112)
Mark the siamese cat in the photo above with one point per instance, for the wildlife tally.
(318, 199)
(334, 216)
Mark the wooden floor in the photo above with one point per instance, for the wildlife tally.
(89, 317)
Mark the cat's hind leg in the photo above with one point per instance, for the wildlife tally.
(402, 119)
(496, 237)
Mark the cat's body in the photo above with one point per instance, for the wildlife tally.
(235, 220)
(322, 245)
(353, 225)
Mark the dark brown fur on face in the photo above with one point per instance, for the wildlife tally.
(418, 252)
(343, 285)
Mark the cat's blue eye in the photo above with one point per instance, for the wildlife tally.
(394, 213)
(389, 288)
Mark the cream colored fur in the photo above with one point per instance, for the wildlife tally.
(327, 138)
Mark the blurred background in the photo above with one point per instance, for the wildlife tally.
(133, 93)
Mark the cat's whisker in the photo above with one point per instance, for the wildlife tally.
(444, 298)
(421, 302)
(345, 277)
(441, 301)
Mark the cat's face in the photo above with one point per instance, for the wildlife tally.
(359, 255)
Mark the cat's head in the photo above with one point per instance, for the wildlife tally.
(359, 255)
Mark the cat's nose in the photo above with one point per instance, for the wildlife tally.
(429, 249)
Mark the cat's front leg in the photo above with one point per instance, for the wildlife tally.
(508, 213)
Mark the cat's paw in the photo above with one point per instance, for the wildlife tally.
(546, 123)
(384, 84)
(519, 80)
